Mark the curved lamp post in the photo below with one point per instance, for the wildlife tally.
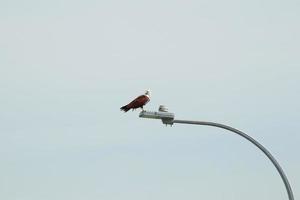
(168, 119)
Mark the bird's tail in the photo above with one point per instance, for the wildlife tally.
(125, 108)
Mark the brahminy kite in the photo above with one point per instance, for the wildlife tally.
(138, 102)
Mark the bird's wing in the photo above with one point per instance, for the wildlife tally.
(139, 101)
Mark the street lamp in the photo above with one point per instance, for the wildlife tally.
(169, 119)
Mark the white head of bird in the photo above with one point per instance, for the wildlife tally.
(148, 93)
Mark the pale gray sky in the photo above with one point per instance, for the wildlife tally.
(66, 67)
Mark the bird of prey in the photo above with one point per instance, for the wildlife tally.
(138, 102)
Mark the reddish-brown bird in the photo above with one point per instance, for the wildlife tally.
(138, 102)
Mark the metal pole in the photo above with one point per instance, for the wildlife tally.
(253, 141)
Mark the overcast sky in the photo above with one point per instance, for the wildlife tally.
(66, 67)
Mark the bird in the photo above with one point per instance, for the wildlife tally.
(138, 102)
